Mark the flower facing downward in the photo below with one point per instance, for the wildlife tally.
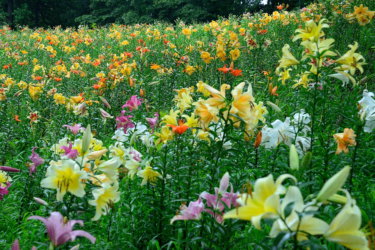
(61, 231)
(66, 177)
(344, 140)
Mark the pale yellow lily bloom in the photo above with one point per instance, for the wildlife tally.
(287, 58)
(344, 229)
(264, 202)
(104, 198)
(65, 176)
(305, 225)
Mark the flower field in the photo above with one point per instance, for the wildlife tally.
(252, 132)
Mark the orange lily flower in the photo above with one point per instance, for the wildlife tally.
(180, 129)
(344, 140)
(224, 69)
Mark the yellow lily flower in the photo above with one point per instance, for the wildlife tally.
(104, 198)
(287, 58)
(66, 177)
(264, 202)
(351, 61)
(312, 31)
(344, 228)
(306, 225)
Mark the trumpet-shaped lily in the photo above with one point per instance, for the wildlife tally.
(192, 212)
(306, 224)
(344, 229)
(61, 231)
(262, 203)
(104, 198)
(66, 177)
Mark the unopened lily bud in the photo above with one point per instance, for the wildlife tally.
(293, 158)
(9, 169)
(141, 93)
(105, 102)
(105, 114)
(40, 201)
(86, 139)
(274, 106)
(338, 199)
(306, 159)
(258, 139)
(96, 155)
(334, 184)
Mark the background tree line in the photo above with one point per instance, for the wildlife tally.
(49, 13)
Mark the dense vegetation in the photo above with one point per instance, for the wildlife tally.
(67, 13)
(248, 132)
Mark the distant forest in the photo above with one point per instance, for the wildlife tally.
(66, 13)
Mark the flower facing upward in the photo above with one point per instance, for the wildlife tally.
(66, 177)
(133, 103)
(344, 140)
(180, 129)
(61, 231)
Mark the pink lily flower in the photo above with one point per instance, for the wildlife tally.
(4, 190)
(16, 246)
(36, 159)
(69, 152)
(220, 199)
(133, 103)
(60, 231)
(9, 169)
(136, 155)
(74, 129)
(192, 212)
(124, 121)
(153, 122)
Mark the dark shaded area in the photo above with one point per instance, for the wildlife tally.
(49, 13)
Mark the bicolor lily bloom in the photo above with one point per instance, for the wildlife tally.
(69, 152)
(74, 128)
(153, 122)
(264, 202)
(60, 230)
(66, 177)
(192, 212)
(133, 103)
(124, 121)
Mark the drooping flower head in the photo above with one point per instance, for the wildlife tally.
(104, 198)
